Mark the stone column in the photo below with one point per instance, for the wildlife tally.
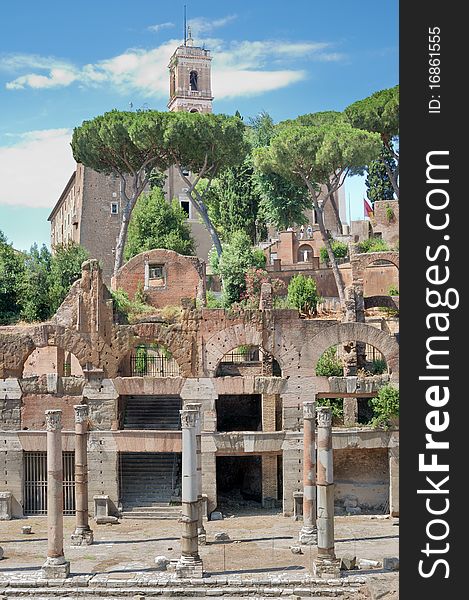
(309, 533)
(82, 536)
(202, 534)
(326, 565)
(190, 564)
(55, 567)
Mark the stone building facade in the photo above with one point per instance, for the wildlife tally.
(88, 213)
(252, 409)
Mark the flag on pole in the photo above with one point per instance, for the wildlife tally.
(368, 210)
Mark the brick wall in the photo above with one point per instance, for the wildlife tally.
(183, 277)
(34, 406)
(386, 220)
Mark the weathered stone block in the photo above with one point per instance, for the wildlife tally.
(391, 563)
(5, 506)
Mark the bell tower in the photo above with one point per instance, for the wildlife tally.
(190, 87)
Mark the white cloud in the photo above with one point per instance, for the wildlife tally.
(160, 26)
(200, 25)
(240, 68)
(36, 168)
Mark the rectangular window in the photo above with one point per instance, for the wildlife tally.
(185, 205)
(156, 275)
(114, 208)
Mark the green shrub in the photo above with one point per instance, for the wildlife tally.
(303, 294)
(378, 366)
(385, 406)
(372, 245)
(329, 364)
(213, 301)
(339, 249)
(393, 291)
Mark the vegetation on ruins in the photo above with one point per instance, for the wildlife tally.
(34, 284)
(385, 406)
(303, 294)
(340, 250)
(329, 364)
(378, 366)
(372, 245)
(237, 257)
(337, 408)
(156, 223)
(134, 145)
(379, 113)
(319, 150)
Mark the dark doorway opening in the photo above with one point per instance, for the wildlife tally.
(239, 413)
(239, 482)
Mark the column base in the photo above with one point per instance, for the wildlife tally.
(188, 567)
(55, 568)
(308, 536)
(326, 568)
(81, 537)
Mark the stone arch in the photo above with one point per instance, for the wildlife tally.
(305, 252)
(20, 344)
(225, 340)
(169, 337)
(379, 301)
(359, 332)
(360, 262)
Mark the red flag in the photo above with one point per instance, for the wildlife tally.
(368, 210)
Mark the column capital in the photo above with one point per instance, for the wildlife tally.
(193, 406)
(188, 418)
(81, 413)
(309, 409)
(53, 420)
(324, 414)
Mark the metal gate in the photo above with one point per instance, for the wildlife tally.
(35, 483)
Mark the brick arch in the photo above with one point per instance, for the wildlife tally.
(359, 332)
(361, 261)
(225, 340)
(170, 338)
(23, 343)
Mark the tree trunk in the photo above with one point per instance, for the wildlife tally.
(200, 207)
(332, 259)
(121, 239)
(335, 208)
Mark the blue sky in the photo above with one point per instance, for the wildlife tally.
(61, 63)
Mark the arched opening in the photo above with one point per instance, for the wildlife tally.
(193, 81)
(381, 278)
(52, 359)
(149, 360)
(248, 360)
(193, 110)
(363, 360)
(305, 253)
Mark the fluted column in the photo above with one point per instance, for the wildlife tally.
(55, 567)
(326, 564)
(308, 533)
(83, 535)
(190, 564)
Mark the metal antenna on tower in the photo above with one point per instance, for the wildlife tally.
(185, 26)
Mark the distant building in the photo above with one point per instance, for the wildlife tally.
(88, 213)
